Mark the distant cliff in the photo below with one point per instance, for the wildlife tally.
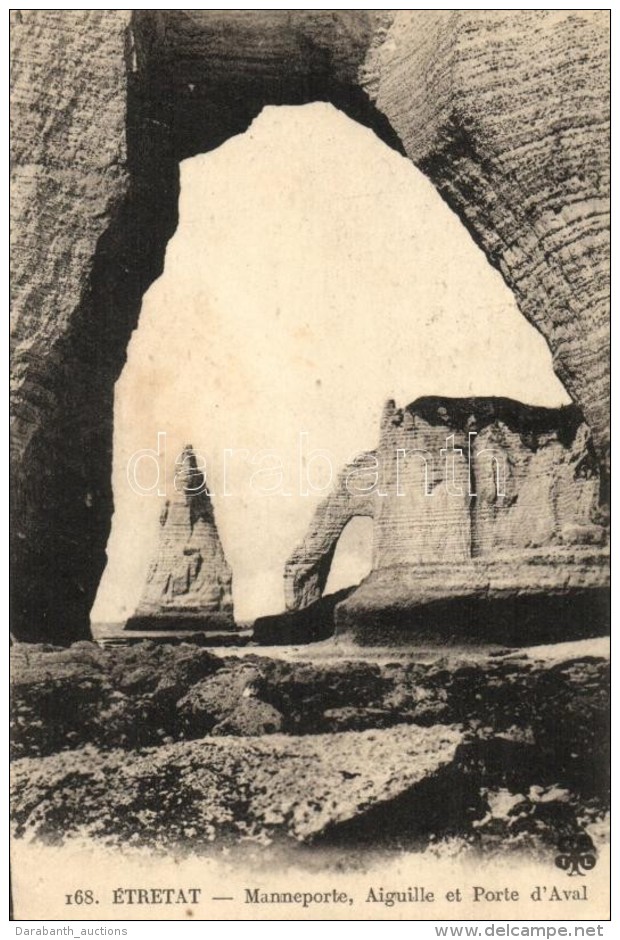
(471, 498)
(189, 584)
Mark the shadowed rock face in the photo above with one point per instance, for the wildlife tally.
(476, 502)
(94, 201)
(309, 624)
(505, 112)
(189, 583)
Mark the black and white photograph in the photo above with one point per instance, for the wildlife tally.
(310, 464)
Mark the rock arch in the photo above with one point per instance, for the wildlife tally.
(307, 570)
(506, 112)
(474, 502)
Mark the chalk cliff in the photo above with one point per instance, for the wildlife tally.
(189, 583)
(506, 112)
(475, 499)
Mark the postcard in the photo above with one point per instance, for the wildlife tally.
(310, 465)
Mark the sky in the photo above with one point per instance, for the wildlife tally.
(314, 274)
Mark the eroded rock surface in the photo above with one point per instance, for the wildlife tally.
(245, 787)
(508, 115)
(309, 624)
(94, 193)
(501, 751)
(506, 112)
(189, 583)
(145, 694)
(486, 520)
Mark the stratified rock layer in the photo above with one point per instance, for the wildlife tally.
(506, 112)
(486, 520)
(94, 197)
(189, 583)
(509, 116)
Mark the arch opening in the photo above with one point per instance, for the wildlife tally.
(313, 274)
(352, 559)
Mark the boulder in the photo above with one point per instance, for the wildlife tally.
(293, 788)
